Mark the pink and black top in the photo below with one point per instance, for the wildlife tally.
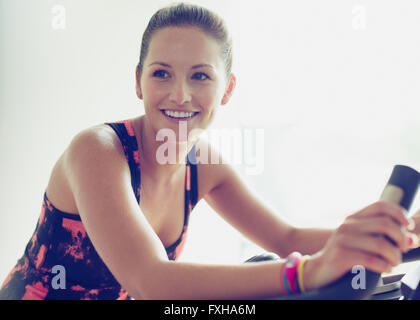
(60, 239)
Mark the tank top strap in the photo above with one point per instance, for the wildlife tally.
(126, 134)
(191, 181)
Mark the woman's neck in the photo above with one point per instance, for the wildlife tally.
(153, 159)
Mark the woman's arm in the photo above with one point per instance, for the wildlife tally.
(309, 240)
(358, 241)
(230, 197)
(99, 177)
(121, 234)
(184, 280)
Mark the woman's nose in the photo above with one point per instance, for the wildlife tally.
(180, 93)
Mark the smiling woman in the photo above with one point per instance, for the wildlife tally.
(174, 81)
(115, 219)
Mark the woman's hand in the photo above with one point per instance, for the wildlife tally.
(416, 230)
(363, 239)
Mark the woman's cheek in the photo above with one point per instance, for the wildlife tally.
(210, 97)
(156, 89)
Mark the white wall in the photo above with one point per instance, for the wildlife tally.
(333, 84)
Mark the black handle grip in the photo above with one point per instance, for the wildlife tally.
(404, 182)
(401, 188)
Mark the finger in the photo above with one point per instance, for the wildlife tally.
(381, 225)
(414, 241)
(377, 246)
(412, 225)
(381, 208)
(369, 261)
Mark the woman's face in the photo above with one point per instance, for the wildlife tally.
(183, 79)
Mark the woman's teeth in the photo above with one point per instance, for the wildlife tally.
(179, 114)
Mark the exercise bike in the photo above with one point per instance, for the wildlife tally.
(401, 189)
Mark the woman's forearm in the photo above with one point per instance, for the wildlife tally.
(183, 280)
(308, 240)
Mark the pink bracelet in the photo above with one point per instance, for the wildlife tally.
(290, 272)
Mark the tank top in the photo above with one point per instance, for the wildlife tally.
(60, 244)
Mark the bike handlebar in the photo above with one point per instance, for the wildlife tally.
(401, 189)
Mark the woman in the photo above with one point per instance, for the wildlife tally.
(110, 245)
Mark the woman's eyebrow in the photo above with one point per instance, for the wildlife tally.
(193, 67)
(161, 63)
(202, 65)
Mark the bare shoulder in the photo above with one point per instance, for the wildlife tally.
(99, 137)
(92, 141)
(95, 149)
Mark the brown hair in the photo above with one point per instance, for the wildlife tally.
(185, 14)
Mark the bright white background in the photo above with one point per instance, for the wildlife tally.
(334, 84)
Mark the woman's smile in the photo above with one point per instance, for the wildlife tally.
(177, 115)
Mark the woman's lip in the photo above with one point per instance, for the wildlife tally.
(178, 119)
(175, 110)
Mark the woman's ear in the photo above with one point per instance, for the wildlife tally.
(138, 86)
(229, 89)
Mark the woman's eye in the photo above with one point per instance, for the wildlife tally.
(197, 76)
(160, 73)
(200, 76)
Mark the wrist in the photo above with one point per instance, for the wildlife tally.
(311, 270)
(290, 273)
